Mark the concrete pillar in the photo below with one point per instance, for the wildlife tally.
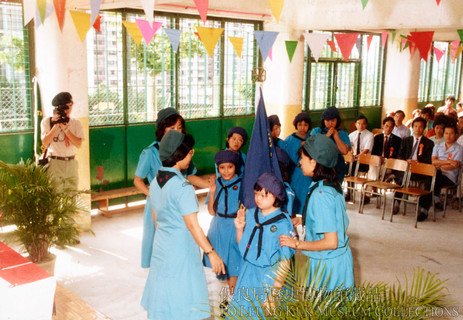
(401, 80)
(61, 65)
(283, 87)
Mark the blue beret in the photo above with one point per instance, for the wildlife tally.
(227, 156)
(165, 113)
(61, 99)
(330, 113)
(272, 184)
(322, 149)
(239, 130)
(303, 116)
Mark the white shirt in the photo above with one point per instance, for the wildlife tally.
(58, 145)
(366, 140)
(401, 131)
(415, 152)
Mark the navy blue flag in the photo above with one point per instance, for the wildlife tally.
(261, 155)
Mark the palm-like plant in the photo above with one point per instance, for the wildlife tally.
(41, 211)
(412, 300)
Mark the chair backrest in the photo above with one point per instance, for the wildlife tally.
(393, 164)
(349, 159)
(368, 159)
(424, 169)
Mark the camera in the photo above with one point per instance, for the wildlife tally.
(62, 116)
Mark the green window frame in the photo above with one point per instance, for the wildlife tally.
(439, 79)
(130, 84)
(357, 82)
(15, 66)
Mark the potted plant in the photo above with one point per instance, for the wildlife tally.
(41, 211)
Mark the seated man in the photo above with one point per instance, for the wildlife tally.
(416, 148)
(447, 157)
(387, 144)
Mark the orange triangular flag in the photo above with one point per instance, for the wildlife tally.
(60, 10)
(332, 45)
(276, 6)
(81, 22)
(423, 41)
(97, 24)
(133, 31)
(202, 6)
(209, 37)
(346, 42)
(237, 43)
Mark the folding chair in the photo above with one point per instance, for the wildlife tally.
(456, 189)
(382, 186)
(349, 159)
(416, 192)
(357, 179)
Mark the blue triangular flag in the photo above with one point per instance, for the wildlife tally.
(261, 155)
(265, 40)
(174, 36)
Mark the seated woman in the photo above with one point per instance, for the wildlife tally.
(176, 286)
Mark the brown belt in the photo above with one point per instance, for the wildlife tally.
(62, 158)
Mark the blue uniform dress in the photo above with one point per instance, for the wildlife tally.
(258, 271)
(299, 183)
(326, 212)
(222, 232)
(176, 286)
(147, 168)
(341, 167)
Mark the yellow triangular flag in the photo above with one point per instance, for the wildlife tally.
(81, 22)
(209, 37)
(237, 45)
(42, 7)
(133, 31)
(276, 6)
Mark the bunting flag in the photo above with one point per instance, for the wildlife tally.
(133, 31)
(265, 40)
(454, 49)
(29, 8)
(332, 45)
(346, 42)
(48, 12)
(261, 156)
(460, 34)
(148, 8)
(411, 45)
(384, 38)
(95, 7)
(316, 43)
(97, 24)
(438, 2)
(364, 4)
(393, 35)
(209, 37)
(438, 54)
(42, 9)
(202, 6)
(81, 22)
(174, 37)
(148, 30)
(237, 43)
(423, 42)
(369, 39)
(291, 48)
(60, 10)
(276, 6)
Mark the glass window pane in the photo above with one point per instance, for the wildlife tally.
(346, 82)
(372, 72)
(321, 82)
(15, 87)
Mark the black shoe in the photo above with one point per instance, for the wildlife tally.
(347, 197)
(438, 206)
(422, 216)
(396, 207)
(366, 200)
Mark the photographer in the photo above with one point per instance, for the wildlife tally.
(62, 136)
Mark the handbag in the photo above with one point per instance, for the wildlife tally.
(43, 160)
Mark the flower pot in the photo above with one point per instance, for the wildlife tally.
(48, 264)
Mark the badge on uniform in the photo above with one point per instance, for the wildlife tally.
(273, 228)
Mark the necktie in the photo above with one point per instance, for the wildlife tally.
(415, 147)
(358, 144)
(385, 146)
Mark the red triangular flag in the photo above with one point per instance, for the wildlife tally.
(346, 42)
(369, 39)
(411, 45)
(97, 24)
(454, 49)
(202, 6)
(384, 38)
(423, 41)
(438, 54)
(60, 10)
(438, 2)
(332, 45)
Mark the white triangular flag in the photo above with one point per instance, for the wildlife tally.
(148, 7)
(316, 42)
